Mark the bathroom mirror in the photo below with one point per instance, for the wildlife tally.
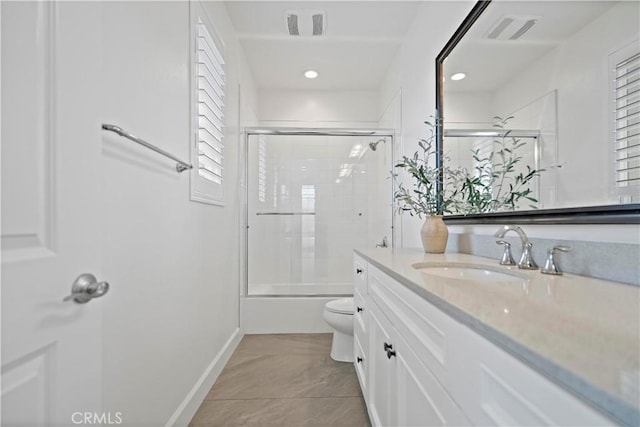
(566, 77)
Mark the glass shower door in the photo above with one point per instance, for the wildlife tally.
(311, 201)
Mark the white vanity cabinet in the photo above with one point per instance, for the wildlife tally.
(423, 368)
(401, 390)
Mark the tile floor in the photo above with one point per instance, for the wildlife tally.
(284, 380)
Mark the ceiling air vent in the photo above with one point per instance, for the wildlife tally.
(511, 27)
(306, 22)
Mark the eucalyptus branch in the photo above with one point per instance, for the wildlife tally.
(494, 185)
(422, 197)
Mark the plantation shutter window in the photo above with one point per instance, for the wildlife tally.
(626, 126)
(208, 100)
(210, 107)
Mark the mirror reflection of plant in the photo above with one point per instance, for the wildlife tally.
(422, 197)
(495, 183)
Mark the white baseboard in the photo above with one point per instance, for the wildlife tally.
(187, 409)
(283, 315)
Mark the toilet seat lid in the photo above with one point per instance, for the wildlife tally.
(341, 306)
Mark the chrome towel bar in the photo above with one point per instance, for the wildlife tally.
(285, 213)
(180, 165)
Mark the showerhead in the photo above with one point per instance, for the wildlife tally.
(374, 145)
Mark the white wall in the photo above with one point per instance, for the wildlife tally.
(173, 264)
(413, 72)
(300, 108)
(468, 107)
(390, 226)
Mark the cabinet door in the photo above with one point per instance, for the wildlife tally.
(361, 363)
(496, 389)
(360, 316)
(382, 378)
(360, 274)
(421, 400)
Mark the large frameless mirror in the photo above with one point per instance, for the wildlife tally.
(541, 100)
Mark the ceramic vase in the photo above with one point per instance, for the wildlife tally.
(434, 235)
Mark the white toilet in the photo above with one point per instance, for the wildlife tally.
(339, 315)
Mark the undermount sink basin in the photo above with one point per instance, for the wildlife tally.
(470, 272)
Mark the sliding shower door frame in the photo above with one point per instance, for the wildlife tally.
(252, 131)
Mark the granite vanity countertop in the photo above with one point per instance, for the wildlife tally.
(580, 332)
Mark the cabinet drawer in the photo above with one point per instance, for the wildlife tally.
(360, 274)
(426, 328)
(495, 388)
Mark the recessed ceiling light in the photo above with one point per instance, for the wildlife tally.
(311, 74)
(458, 76)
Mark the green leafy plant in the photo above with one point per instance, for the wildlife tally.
(424, 197)
(498, 181)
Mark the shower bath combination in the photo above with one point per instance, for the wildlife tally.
(313, 196)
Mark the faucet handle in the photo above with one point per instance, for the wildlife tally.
(551, 266)
(383, 244)
(507, 258)
(526, 259)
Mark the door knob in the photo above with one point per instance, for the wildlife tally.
(85, 288)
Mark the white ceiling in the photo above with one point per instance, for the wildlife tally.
(491, 63)
(362, 38)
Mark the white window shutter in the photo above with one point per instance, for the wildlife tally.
(210, 107)
(625, 81)
(208, 100)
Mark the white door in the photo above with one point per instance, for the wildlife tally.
(51, 350)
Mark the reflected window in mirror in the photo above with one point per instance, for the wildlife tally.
(624, 99)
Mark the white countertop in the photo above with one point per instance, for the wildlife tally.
(580, 332)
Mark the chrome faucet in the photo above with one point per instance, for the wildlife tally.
(526, 259)
(383, 244)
